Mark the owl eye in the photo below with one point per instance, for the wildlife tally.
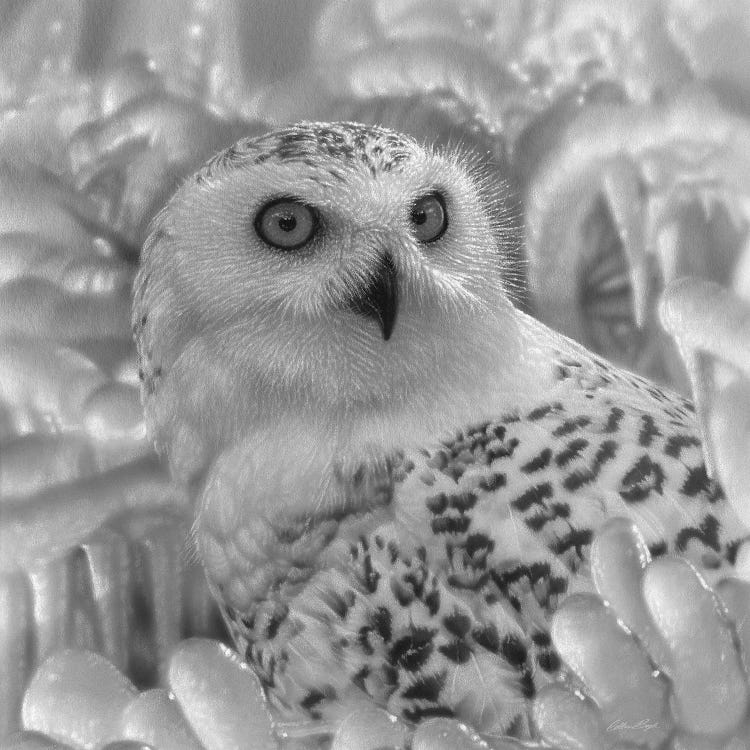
(429, 217)
(286, 223)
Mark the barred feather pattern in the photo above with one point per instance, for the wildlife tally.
(444, 607)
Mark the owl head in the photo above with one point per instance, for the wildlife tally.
(325, 267)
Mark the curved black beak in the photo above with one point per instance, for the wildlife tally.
(379, 298)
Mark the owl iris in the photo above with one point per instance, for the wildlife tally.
(286, 223)
(429, 217)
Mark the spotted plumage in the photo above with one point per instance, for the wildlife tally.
(504, 511)
(398, 474)
(378, 150)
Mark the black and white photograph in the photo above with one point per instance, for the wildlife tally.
(374, 375)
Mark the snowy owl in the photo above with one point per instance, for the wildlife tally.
(397, 473)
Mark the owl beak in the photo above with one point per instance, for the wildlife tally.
(379, 299)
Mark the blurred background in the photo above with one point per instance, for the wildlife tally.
(619, 135)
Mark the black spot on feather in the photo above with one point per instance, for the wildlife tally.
(413, 650)
(426, 687)
(578, 478)
(707, 533)
(533, 496)
(494, 481)
(539, 413)
(432, 600)
(458, 651)
(437, 504)
(539, 462)
(648, 432)
(675, 443)
(457, 623)
(450, 524)
(312, 698)
(575, 539)
(463, 501)
(549, 661)
(613, 420)
(572, 450)
(642, 479)
(487, 637)
(571, 425)
(657, 549)
(513, 650)
(606, 452)
(697, 481)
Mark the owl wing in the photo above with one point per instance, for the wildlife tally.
(602, 442)
(445, 610)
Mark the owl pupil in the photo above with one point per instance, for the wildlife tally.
(287, 223)
(419, 216)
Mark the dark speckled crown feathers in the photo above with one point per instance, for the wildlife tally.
(378, 149)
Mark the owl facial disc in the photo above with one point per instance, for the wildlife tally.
(378, 299)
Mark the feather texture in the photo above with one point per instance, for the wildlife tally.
(357, 555)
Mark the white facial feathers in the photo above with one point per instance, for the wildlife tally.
(363, 318)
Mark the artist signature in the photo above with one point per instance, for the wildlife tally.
(623, 726)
